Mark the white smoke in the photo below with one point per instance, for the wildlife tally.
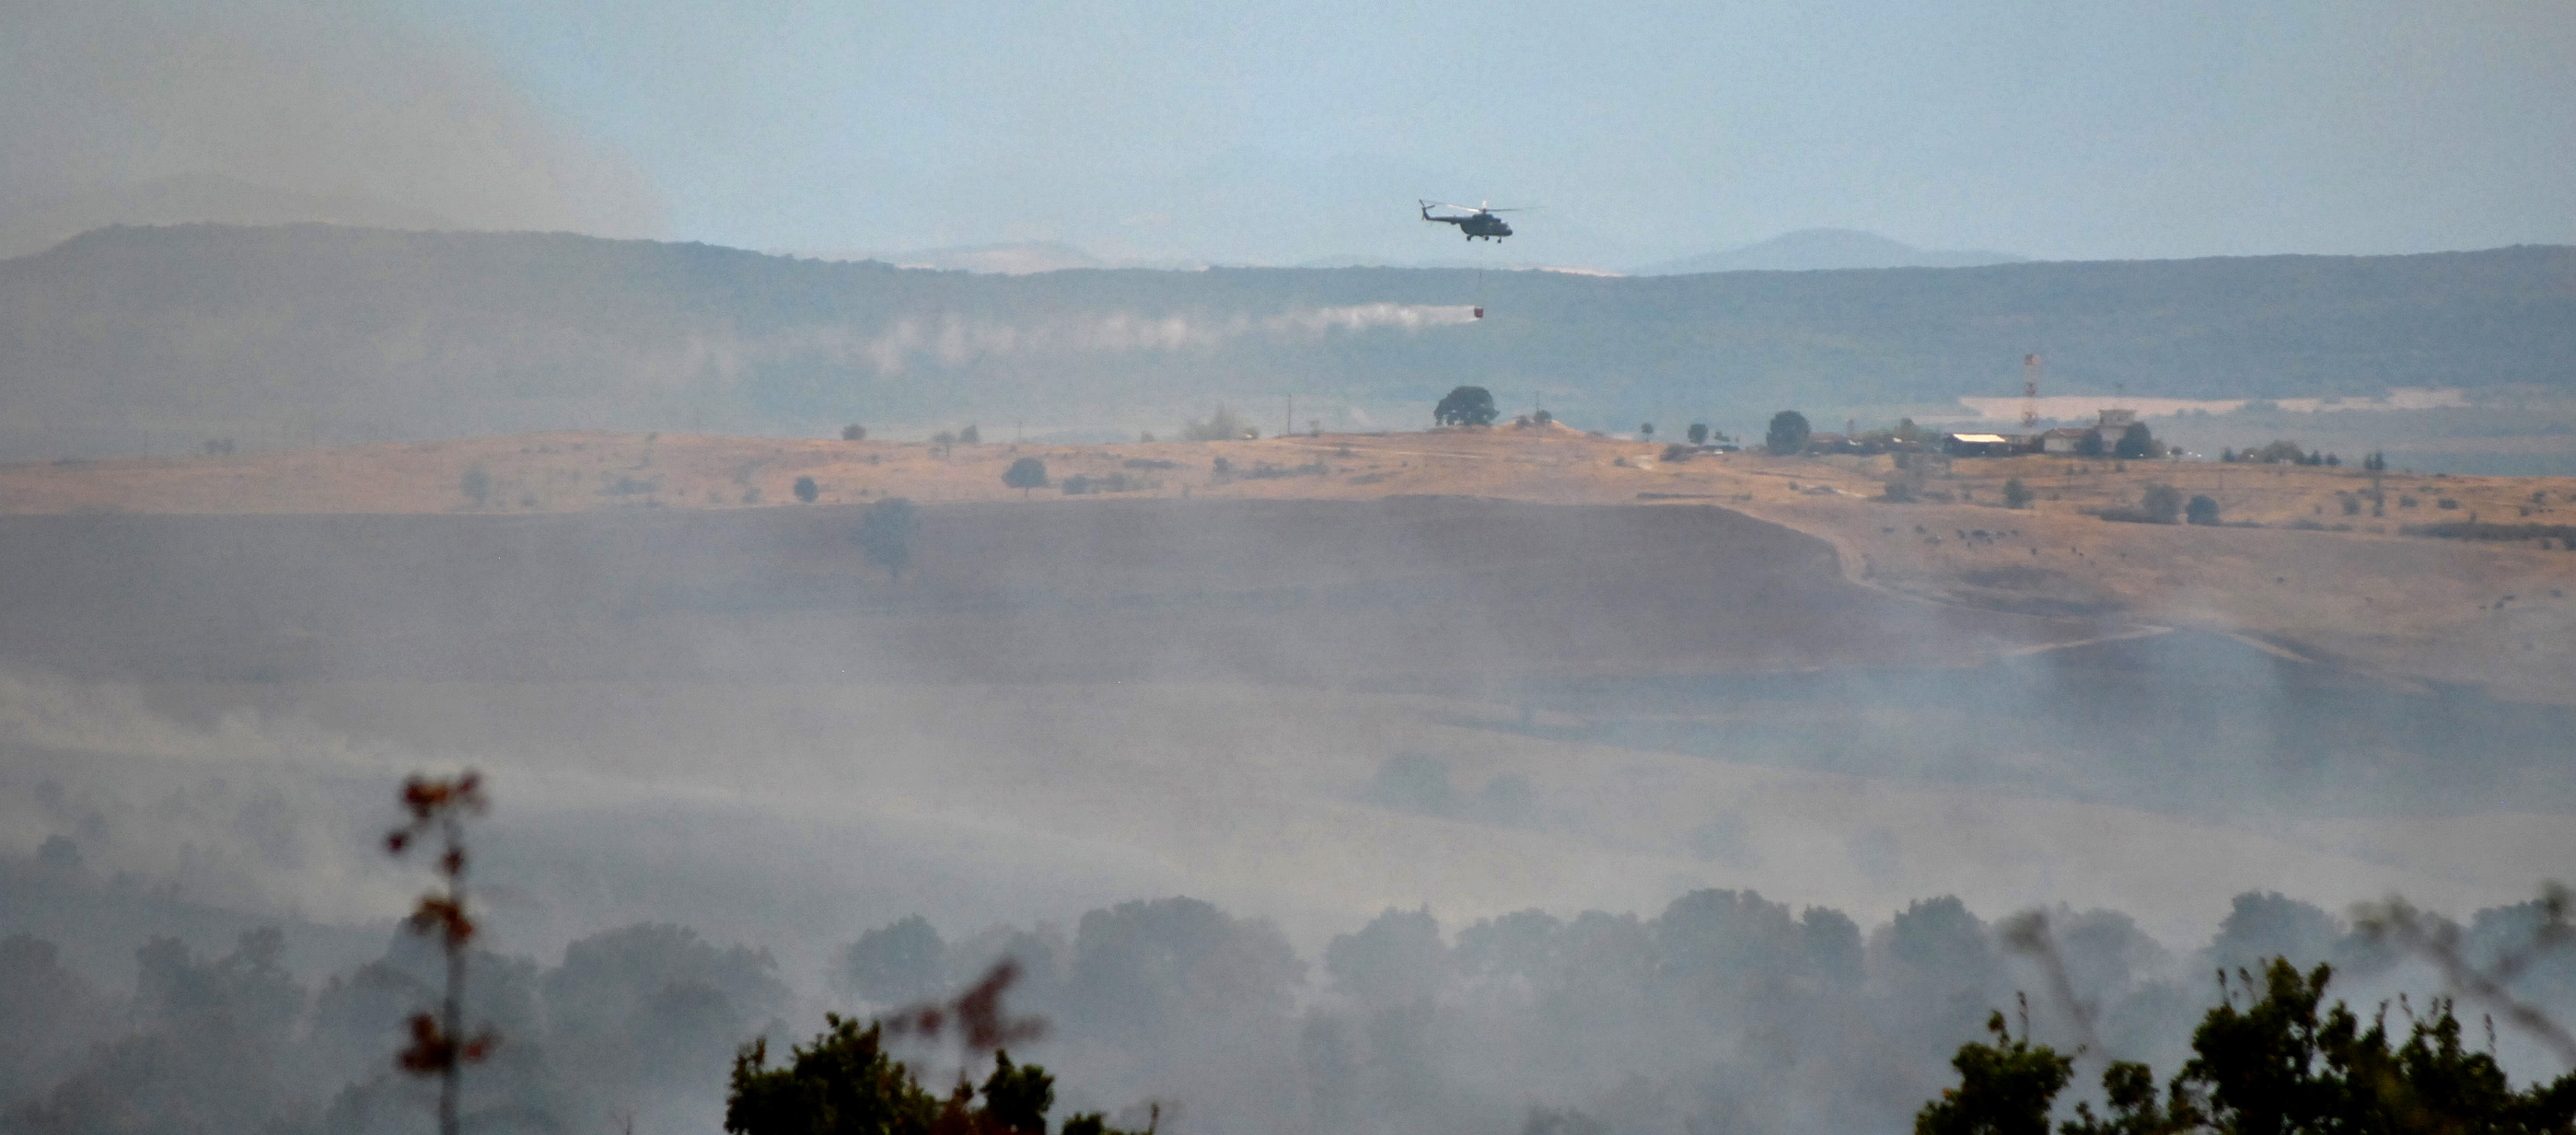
(954, 340)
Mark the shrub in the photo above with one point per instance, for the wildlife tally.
(2016, 494)
(2161, 503)
(854, 432)
(2201, 510)
(807, 490)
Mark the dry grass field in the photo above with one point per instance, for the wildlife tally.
(2325, 576)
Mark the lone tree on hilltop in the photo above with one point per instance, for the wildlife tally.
(854, 432)
(1466, 406)
(1025, 474)
(885, 535)
(439, 1046)
(1698, 433)
(970, 435)
(2136, 443)
(807, 490)
(1789, 433)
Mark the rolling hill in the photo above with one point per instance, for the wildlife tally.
(143, 340)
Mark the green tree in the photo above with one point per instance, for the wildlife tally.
(2285, 1064)
(2276, 452)
(807, 490)
(2271, 1059)
(1466, 406)
(970, 435)
(2005, 1088)
(2201, 510)
(895, 964)
(1788, 434)
(1699, 433)
(2016, 494)
(477, 485)
(885, 534)
(1025, 474)
(840, 1084)
(2130, 1090)
(1016, 1098)
(2090, 444)
(854, 432)
(2161, 503)
(2135, 443)
(1646, 430)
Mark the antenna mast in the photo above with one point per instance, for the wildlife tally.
(2029, 392)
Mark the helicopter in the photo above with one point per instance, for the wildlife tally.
(1480, 220)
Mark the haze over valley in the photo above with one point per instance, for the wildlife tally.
(983, 571)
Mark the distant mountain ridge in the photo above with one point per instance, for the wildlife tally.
(199, 198)
(139, 340)
(1808, 250)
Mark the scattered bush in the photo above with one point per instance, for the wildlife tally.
(2161, 503)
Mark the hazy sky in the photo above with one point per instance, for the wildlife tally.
(1277, 132)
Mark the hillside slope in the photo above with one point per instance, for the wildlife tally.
(154, 340)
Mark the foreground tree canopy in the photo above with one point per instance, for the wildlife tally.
(2266, 1061)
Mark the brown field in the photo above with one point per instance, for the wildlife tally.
(2368, 597)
